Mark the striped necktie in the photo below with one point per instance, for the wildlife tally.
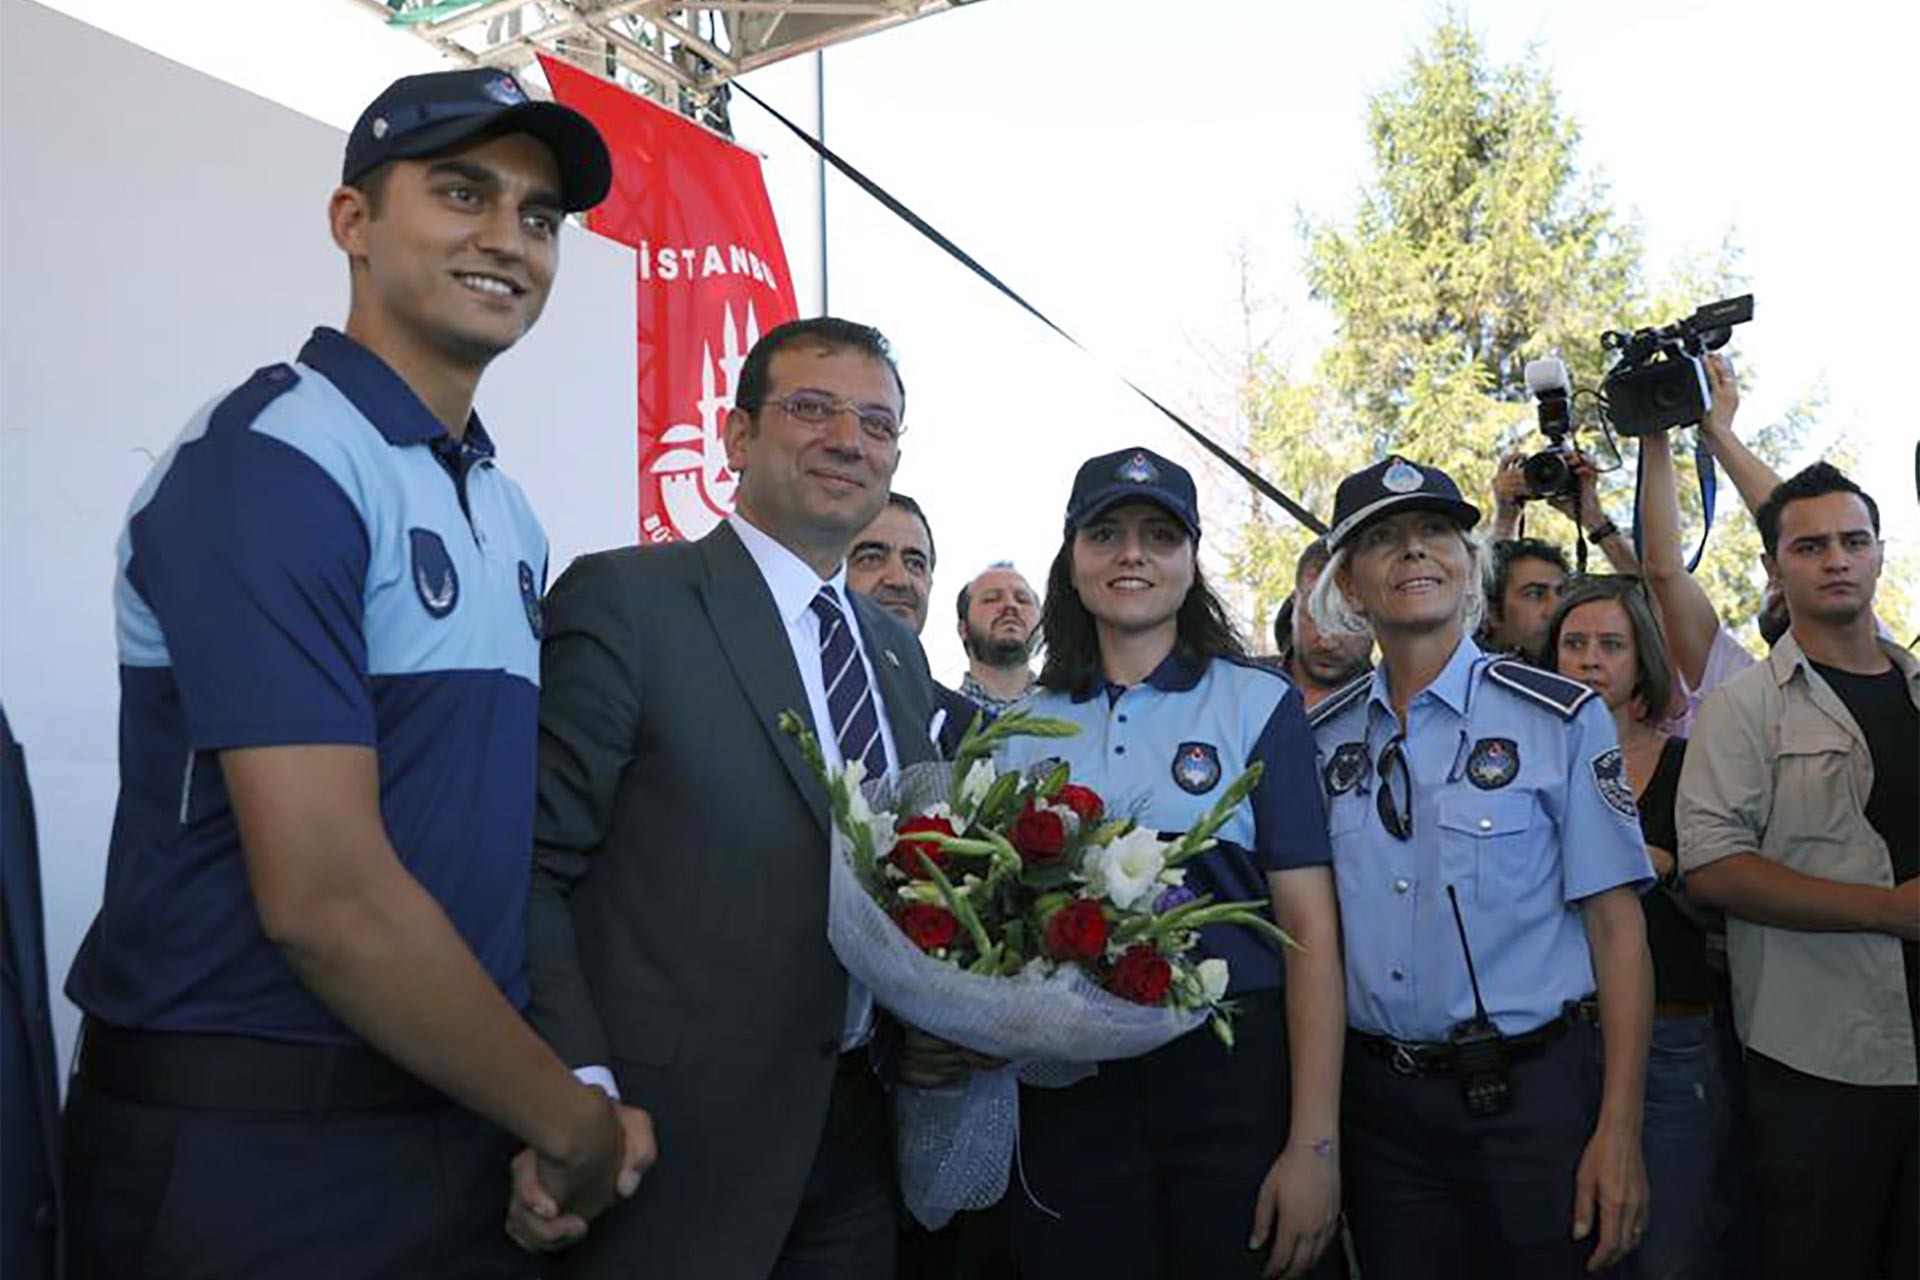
(850, 700)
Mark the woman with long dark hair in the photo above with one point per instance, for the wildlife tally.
(1172, 1163)
(1604, 634)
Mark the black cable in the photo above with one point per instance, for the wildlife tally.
(927, 229)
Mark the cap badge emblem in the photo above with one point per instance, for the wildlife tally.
(1137, 470)
(379, 127)
(506, 90)
(1403, 477)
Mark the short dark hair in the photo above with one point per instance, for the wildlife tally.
(965, 599)
(1283, 625)
(373, 185)
(1203, 629)
(1313, 559)
(1815, 481)
(825, 333)
(1500, 566)
(1653, 671)
(912, 508)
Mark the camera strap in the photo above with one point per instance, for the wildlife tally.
(1709, 479)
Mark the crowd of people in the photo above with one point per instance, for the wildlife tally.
(439, 900)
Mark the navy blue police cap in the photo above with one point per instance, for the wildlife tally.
(1132, 475)
(427, 114)
(1392, 485)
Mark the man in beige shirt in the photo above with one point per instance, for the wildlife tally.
(1799, 815)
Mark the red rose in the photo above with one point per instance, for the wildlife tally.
(1039, 834)
(1077, 931)
(930, 927)
(1084, 801)
(906, 853)
(1142, 975)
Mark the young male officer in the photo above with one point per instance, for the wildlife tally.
(302, 1054)
(1487, 856)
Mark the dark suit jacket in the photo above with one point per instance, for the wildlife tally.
(678, 913)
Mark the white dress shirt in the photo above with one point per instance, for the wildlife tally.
(794, 584)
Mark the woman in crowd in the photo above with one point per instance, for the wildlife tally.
(1488, 862)
(1604, 634)
(1194, 1160)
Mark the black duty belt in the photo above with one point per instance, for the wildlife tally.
(1435, 1058)
(243, 1073)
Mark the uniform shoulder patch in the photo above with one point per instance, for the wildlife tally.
(1547, 688)
(1610, 778)
(1340, 699)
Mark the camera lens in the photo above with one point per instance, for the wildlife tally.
(1546, 474)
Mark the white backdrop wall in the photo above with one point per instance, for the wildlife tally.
(163, 234)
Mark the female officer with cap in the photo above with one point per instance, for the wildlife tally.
(1487, 856)
(1183, 1162)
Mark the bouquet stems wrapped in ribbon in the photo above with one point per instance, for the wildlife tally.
(1010, 914)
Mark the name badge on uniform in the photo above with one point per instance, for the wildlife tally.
(1493, 764)
(433, 576)
(1196, 767)
(1610, 776)
(1348, 768)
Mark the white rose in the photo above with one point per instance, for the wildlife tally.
(1128, 869)
(1213, 977)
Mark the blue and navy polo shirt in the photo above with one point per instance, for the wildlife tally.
(1162, 750)
(316, 560)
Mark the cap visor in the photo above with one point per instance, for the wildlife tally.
(579, 152)
(1466, 513)
(1120, 495)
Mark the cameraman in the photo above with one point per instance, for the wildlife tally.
(1529, 574)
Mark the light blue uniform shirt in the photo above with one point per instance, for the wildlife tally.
(1161, 752)
(1520, 802)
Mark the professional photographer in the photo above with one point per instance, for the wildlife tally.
(1488, 858)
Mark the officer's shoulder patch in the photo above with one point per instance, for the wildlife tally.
(1340, 699)
(1547, 688)
(246, 402)
(1610, 779)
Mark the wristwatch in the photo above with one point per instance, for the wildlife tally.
(1601, 532)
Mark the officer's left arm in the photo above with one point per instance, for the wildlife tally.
(1299, 1201)
(1603, 868)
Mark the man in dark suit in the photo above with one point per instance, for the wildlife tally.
(678, 922)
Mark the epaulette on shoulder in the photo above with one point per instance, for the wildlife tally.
(246, 402)
(1340, 699)
(1548, 688)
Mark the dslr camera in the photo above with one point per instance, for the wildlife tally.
(1549, 473)
(1658, 378)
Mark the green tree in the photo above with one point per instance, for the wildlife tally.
(1477, 245)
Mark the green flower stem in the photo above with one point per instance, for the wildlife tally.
(962, 910)
(1200, 836)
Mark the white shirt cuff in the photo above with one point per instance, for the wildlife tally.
(600, 1078)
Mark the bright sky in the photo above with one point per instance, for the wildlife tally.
(1110, 158)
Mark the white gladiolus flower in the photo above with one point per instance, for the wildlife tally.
(1212, 973)
(973, 787)
(1126, 870)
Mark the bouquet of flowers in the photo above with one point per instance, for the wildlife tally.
(1013, 915)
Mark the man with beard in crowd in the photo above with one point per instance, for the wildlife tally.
(1318, 662)
(999, 617)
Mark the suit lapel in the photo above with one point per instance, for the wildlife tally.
(906, 717)
(753, 638)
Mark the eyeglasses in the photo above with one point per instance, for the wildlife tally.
(817, 409)
(1395, 815)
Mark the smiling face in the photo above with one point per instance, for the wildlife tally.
(813, 486)
(1597, 649)
(1133, 567)
(453, 256)
(1828, 558)
(1409, 572)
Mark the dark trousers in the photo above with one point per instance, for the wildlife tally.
(1684, 1140)
(1433, 1193)
(846, 1224)
(172, 1194)
(1839, 1173)
(1151, 1168)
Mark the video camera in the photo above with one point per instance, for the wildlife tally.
(1658, 378)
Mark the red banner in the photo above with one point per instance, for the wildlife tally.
(712, 278)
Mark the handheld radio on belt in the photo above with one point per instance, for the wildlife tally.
(1479, 1050)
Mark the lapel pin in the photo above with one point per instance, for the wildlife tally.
(891, 658)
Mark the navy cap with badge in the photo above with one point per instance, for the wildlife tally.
(427, 114)
(1392, 485)
(1132, 475)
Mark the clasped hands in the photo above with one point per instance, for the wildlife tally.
(555, 1196)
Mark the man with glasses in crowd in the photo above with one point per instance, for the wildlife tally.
(1488, 859)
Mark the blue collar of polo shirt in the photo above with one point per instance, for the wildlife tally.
(382, 396)
(1453, 686)
(1175, 674)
